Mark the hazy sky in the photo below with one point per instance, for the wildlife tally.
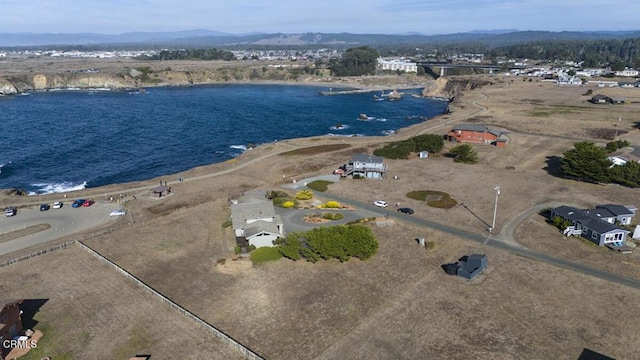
(289, 16)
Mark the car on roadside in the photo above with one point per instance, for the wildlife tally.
(44, 207)
(78, 203)
(380, 203)
(87, 203)
(10, 211)
(116, 213)
(406, 210)
(57, 205)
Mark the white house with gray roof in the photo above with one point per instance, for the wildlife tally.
(255, 222)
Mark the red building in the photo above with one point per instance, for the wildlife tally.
(476, 133)
(10, 323)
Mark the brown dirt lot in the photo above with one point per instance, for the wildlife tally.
(400, 304)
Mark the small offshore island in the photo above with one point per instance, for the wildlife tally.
(177, 236)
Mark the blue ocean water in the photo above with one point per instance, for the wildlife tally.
(62, 140)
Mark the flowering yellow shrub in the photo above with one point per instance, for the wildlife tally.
(304, 195)
(332, 204)
(287, 204)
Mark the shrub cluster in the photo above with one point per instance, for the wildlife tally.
(304, 195)
(332, 216)
(432, 143)
(331, 242)
(264, 254)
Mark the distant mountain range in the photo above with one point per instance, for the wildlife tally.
(209, 38)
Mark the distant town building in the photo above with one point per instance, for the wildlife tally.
(400, 64)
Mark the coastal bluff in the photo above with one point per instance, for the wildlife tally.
(23, 83)
(445, 88)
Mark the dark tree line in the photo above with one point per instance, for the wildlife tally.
(624, 52)
(193, 54)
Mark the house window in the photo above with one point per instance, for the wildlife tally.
(3, 319)
(594, 235)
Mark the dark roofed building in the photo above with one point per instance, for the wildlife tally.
(598, 225)
(10, 323)
(600, 99)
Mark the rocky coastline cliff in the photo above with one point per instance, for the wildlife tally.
(449, 89)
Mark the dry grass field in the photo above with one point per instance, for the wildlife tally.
(399, 304)
(92, 312)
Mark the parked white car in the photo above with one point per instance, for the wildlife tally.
(380, 203)
(116, 213)
(57, 205)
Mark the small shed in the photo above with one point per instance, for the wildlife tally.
(162, 190)
(467, 267)
(423, 154)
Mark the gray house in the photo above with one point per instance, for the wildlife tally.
(255, 222)
(366, 166)
(597, 225)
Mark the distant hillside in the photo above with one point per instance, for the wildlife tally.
(208, 38)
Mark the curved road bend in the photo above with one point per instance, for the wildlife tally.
(485, 239)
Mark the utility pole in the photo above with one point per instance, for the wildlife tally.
(617, 126)
(495, 209)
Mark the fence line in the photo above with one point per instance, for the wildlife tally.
(248, 353)
(37, 253)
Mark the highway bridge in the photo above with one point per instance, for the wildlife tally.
(430, 66)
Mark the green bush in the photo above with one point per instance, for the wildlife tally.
(432, 143)
(227, 223)
(275, 194)
(330, 242)
(237, 249)
(464, 153)
(332, 216)
(265, 254)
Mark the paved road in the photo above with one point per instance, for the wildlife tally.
(64, 221)
(496, 242)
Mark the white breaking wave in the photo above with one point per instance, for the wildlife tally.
(239, 147)
(3, 165)
(57, 188)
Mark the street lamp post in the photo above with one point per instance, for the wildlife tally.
(495, 209)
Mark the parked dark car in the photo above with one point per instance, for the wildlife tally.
(406, 210)
(77, 203)
(10, 211)
(44, 207)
